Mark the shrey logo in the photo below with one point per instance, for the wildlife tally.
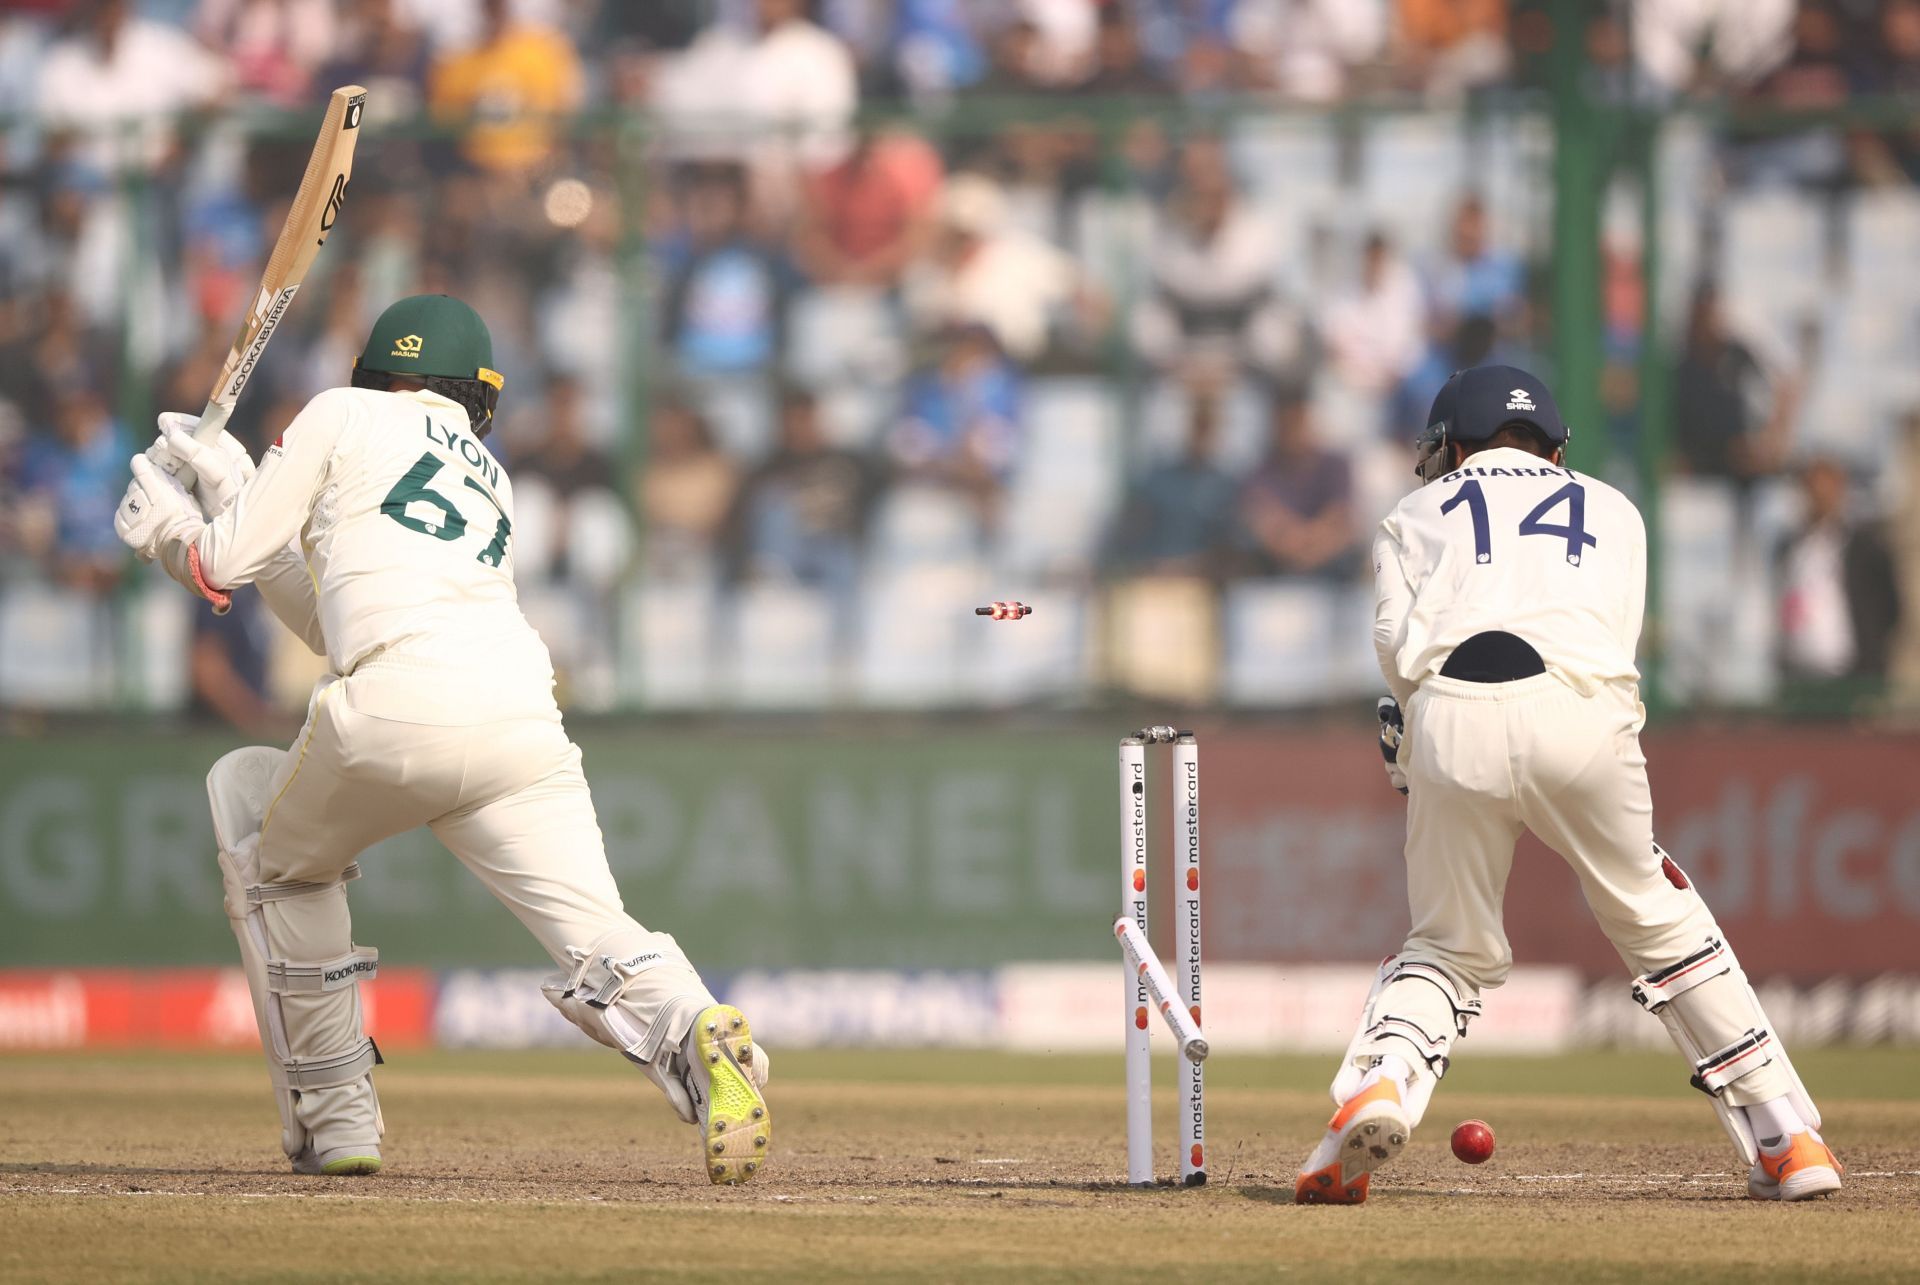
(407, 346)
(1522, 399)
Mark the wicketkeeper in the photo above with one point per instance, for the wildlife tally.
(1508, 598)
(379, 529)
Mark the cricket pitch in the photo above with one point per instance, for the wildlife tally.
(929, 1166)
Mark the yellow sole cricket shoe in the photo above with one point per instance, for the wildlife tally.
(735, 1127)
(1368, 1130)
(1807, 1168)
(338, 1161)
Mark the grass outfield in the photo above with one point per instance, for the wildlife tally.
(931, 1167)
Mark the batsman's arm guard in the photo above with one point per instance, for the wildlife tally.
(1701, 1000)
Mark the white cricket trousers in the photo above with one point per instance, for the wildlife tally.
(1489, 759)
(508, 798)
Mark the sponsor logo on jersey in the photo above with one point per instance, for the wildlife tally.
(1521, 400)
(409, 346)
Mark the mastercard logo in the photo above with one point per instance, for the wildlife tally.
(1140, 1017)
(1193, 880)
(1139, 881)
(1196, 1160)
(1195, 1010)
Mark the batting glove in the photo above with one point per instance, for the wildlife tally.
(154, 511)
(1393, 727)
(220, 467)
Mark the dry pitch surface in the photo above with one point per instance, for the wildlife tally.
(929, 1167)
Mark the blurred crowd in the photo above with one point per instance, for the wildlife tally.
(1069, 293)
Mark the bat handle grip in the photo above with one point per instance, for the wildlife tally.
(212, 420)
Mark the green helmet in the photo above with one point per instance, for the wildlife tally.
(438, 339)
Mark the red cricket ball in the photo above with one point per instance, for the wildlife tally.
(1473, 1141)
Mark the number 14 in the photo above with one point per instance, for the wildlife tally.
(1574, 532)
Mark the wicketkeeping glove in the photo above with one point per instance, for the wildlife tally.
(1393, 727)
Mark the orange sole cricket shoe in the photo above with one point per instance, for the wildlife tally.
(1807, 1168)
(1368, 1130)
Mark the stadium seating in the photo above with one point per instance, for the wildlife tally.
(55, 648)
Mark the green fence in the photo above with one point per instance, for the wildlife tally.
(887, 850)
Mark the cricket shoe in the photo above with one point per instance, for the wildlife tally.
(1368, 1130)
(338, 1160)
(1805, 1169)
(723, 1075)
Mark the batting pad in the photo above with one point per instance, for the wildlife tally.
(303, 971)
(631, 990)
(1415, 1011)
(1715, 1019)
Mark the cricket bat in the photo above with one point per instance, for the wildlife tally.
(323, 189)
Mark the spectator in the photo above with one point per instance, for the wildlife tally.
(686, 492)
(1816, 76)
(1895, 157)
(1694, 46)
(1447, 47)
(1014, 69)
(559, 474)
(936, 48)
(1616, 76)
(117, 68)
(783, 96)
(864, 219)
(1839, 594)
(802, 512)
(377, 48)
(275, 45)
(1375, 333)
(1178, 518)
(61, 351)
(1307, 49)
(76, 475)
(1296, 510)
(229, 667)
(506, 85)
(18, 518)
(1474, 279)
(983, 272)
(801, 83)
(961, 426)
(332, 346)
(1214, 270)
(1731, 414)
(1064, 34)
(726, 294)
(1120, 67)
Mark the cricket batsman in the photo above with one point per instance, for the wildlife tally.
(1508, 601)
(379, 528)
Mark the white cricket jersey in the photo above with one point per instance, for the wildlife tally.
(1510, 542)
(405, 520)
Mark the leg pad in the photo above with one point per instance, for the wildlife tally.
(632, 990)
